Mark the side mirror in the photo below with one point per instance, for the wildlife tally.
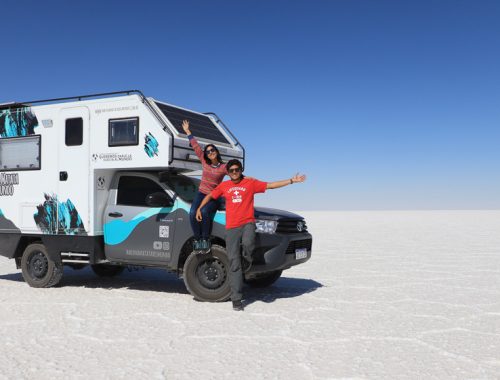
(159, 199)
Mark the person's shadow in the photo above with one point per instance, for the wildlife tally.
(284, 287)
(157, 280)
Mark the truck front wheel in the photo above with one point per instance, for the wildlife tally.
(39, 269)
(207, 276)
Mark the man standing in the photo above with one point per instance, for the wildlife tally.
(240, 221)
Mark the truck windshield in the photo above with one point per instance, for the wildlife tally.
(185, 187)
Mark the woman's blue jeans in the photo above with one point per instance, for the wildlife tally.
(202, 229)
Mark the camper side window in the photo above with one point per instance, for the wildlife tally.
(20, 153)
(74, 132)
(132, 191)
(123, 132)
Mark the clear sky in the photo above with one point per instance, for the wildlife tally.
(383, 104)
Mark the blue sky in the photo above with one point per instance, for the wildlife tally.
(383, 104)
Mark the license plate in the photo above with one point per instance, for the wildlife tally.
(300, 253)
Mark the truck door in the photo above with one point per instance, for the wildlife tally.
(133, 231)
(72, 195)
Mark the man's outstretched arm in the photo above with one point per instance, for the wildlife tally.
(295, 179)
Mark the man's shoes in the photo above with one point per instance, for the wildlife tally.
(237, 305)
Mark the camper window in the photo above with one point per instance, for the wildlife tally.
(123, 132)
(20, 153)
(74, 132)
(132, 191)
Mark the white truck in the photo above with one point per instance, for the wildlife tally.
(100, 180)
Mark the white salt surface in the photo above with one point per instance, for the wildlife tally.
(385, 295)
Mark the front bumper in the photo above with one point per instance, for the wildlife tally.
(277, 251)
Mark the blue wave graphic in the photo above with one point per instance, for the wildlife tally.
(220, 216)
(117, 231)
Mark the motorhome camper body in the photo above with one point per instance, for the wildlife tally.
(98, 180)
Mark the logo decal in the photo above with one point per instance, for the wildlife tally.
(161, 245)
(112, 157)
(8, 181)
(101, 183)
(150, 145)
(300, 226)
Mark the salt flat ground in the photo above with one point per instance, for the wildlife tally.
(386, 295)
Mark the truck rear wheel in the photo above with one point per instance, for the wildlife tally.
(39, 269)
(264, 280)
(206, 276)
(107, 270)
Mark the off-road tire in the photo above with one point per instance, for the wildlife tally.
(207, 276)
(107, 270)
(39, 269)
(264, 280)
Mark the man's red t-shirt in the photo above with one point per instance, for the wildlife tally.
(239, 200)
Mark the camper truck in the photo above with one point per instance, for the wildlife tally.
(103, 180)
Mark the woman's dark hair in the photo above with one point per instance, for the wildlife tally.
(205, 155)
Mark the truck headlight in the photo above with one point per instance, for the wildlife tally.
(266, 226)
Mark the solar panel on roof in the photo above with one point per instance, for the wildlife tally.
(200, 125)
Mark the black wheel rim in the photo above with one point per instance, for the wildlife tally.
(38, 265)
(211, 273)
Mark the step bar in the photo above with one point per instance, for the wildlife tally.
(73, 257)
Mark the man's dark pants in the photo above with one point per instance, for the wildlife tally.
(244, 234)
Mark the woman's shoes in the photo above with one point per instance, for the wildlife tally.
(202, 246)
(206, 246)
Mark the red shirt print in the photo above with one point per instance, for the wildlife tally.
(239, 200)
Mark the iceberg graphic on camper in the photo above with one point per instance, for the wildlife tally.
(6, 224)
(150, 145)
(58, 217)
(17, 122)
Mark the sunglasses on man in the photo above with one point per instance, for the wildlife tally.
(234, 170)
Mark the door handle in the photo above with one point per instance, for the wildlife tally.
(115, 214)
(63, 176)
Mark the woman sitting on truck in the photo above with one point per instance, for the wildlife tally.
(213, 172)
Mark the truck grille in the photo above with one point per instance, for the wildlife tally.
(307, 243)
(291, 226)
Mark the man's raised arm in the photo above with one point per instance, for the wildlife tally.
(297, 178)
